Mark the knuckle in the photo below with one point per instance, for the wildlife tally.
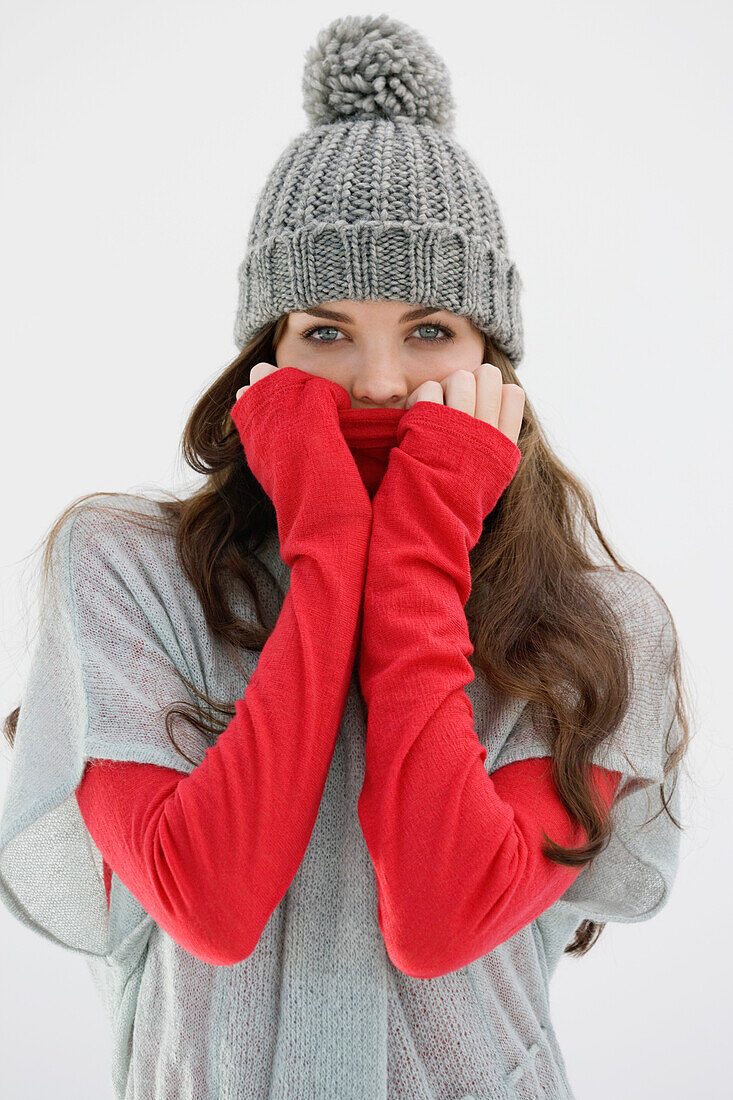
(261, 369)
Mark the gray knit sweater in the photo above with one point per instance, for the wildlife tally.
(318, 1009)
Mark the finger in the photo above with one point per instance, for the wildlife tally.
(427, 391)
(460, 391)
(256, 374)
(260, 371)
(488, 393)
(512, 411)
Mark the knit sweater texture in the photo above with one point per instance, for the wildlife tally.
(383, 923)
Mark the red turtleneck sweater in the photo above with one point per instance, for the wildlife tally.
(147, 820)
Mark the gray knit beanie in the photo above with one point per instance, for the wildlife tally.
(376, 199)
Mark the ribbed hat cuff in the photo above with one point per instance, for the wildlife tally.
(431, 262)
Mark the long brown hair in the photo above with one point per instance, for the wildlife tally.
(545, 624)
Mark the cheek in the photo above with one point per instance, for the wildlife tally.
(294, 350)
(462, 356)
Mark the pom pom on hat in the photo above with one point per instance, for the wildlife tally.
(373, 66)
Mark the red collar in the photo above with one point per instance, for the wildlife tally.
(371, 434)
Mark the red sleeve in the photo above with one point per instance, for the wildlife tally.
(115, 799)
(118, 785)
(456, 851)
(210, 855)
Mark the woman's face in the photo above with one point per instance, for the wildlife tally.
(378, 350)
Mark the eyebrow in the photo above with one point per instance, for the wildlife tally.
(332, 315)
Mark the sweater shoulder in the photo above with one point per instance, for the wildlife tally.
(121, 527)
(638, 606)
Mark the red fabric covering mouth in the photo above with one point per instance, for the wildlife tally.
(371, 434)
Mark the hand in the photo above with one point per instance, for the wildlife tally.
(259, 370)
(288, 422)
(480, 393)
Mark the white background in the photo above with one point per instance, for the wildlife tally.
(135, 140)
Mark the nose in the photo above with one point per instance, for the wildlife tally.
(379, 379)
(378, 392)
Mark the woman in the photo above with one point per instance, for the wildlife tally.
(356, 879)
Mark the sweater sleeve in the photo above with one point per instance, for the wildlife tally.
(211, 854)
(456, 851)
(115, 796)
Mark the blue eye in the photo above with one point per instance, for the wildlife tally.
(448, 334)
(308, 335)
